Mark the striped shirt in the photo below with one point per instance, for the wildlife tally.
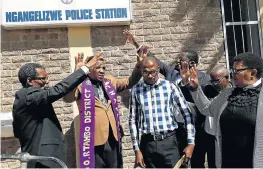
(153, 109)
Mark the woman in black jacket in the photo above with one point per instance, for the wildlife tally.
(237, 112)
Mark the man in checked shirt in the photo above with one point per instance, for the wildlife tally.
(154, 104)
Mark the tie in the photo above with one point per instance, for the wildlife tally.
(101, 94)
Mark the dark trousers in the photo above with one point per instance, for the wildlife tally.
(107, 155)
(204, 143)
(160, 154)
(39, 165)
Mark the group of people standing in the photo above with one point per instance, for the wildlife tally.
(188, 113)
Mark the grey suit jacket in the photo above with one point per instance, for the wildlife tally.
(215, 108)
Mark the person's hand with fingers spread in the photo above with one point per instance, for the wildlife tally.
(93, 61)
(185, 72)
(129, 37)
(193, 78)
(79, 60)
(142, 54)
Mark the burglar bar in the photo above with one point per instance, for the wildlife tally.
(247, 40)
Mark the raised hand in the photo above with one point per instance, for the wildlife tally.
(79, 61)
(129, 37)
(193, 78)
(143, 52)
(93, 61)
(185, 72)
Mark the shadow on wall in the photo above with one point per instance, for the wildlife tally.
(9, 146)
(217, 57)
(193, 25)
(103, 37)
(125, 98)
(28, 39)
(203, 26)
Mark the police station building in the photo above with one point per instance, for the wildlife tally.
(52, 32)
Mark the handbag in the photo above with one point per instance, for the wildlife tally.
(183, 163)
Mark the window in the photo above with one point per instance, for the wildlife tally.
(241, 26)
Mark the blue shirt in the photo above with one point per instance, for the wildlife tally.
(153, 108)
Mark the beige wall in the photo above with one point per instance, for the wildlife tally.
(46, 46)
(168, 26)
(79, 40)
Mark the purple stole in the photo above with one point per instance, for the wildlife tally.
(87, 121)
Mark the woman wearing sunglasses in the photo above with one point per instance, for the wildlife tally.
(238, 114)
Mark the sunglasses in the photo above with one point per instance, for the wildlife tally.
(217, 81)
(236, 71)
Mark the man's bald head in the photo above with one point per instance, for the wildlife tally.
(219, 71)
(219, 78)
(150, 61)
(150, 70)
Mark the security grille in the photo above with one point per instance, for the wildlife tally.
(241, 27)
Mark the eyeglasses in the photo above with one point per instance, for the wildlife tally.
(236, 71)
(43, 79)
(190, 63)
(217, 81)
(146, 73)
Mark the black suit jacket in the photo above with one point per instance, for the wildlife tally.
(35, 122)
(171, 74)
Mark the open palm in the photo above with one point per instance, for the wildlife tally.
(79, 60)
(143, 52)
(193, 78)
(129, 37)
(185, 72)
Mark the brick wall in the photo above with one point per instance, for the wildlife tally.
(168, 26)
(48, 47)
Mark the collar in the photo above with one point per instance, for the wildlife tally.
(95, 82)
(156, 84)
(258, 82)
